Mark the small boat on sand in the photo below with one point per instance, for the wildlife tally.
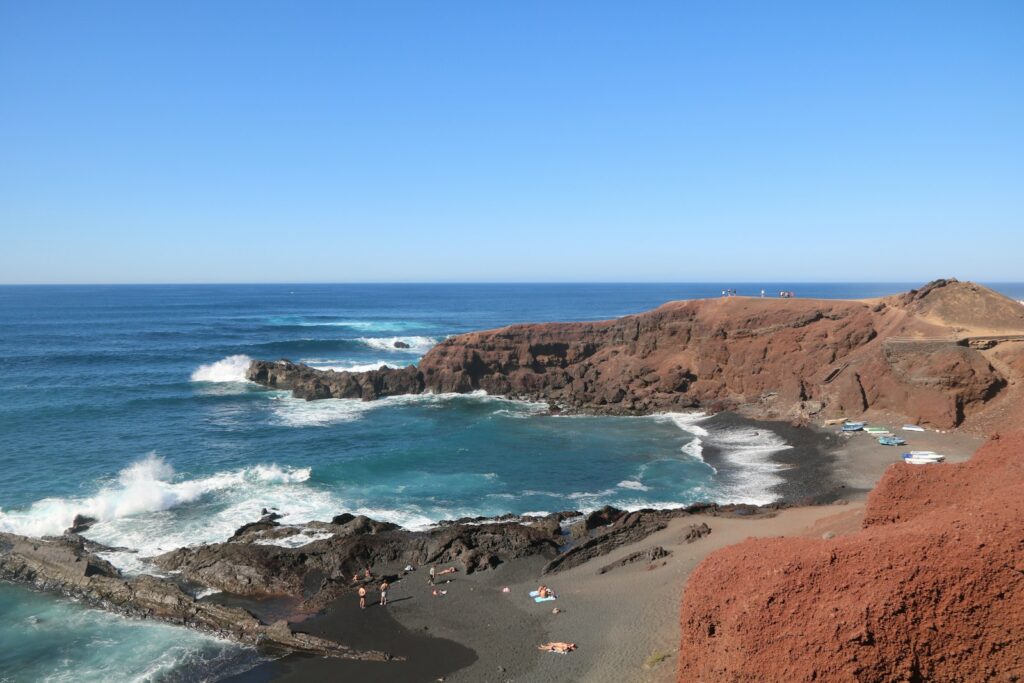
(922, 457)
(891, 441)
(853, 426)
(912, 428)
(876, 430)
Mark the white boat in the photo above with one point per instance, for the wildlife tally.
(923, 458)
(919, 453)
(912, 428)
(923, 461)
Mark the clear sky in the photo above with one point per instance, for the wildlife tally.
(519, 141)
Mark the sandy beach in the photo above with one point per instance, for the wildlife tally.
(625, 620)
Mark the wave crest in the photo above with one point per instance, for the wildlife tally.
(416, 344)
(144, 486)
(229, 369)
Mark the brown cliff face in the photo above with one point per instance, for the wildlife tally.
(782, 358)
(931, 589)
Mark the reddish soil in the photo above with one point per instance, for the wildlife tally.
(931, 589)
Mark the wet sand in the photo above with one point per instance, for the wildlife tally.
(625, 621)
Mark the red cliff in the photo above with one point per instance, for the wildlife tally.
(931, 589)
(913, 356)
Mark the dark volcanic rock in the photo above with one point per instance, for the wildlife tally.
(358, 543)
(696, 532)
(629, 528)
(81, 523)
(401, 344)
(650, 555)
(63, 565)
(308, 383)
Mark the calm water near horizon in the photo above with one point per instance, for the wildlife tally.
(127, 403)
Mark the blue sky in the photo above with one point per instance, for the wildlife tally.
(569, 141)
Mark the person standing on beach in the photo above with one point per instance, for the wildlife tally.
(430, 578)
(384, 585)
(362, 597)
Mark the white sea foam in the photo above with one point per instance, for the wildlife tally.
(145, 486)
(754, 474)
(632, 485)
(688, 422)
(416, 344)
(230, 369)
(295, 412)
(296, 541)
(343, 366)
(694, 448)
(367, 325)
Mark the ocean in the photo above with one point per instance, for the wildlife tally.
(128, 404)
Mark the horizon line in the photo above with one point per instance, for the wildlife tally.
(488, 282)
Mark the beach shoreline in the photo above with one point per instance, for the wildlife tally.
(625, 620)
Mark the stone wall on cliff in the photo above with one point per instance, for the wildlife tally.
(931, 589)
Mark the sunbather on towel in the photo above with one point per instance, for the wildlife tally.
(554, 646)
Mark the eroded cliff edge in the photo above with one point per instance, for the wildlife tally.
(945, 355)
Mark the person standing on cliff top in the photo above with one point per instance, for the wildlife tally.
(384, 585)
(362, 597)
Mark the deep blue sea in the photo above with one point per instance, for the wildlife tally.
(127, 403)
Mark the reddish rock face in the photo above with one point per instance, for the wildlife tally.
(779, 358)
(931, 589)
(775, 358)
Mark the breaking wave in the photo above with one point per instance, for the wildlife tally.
(230, 369)
(145, 486)
(416, 344)
(342, 366)
(289, 411)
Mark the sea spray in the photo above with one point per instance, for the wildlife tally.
(230, 369)
(145, 486)
(416, 344)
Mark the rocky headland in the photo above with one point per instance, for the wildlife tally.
(948, 355)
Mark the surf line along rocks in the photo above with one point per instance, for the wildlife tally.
(69, 566)
(320, 571)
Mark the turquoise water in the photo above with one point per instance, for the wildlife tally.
(127, 404)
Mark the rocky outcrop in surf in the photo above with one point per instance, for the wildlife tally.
(69, 566)
(910, 356)
(930, 589)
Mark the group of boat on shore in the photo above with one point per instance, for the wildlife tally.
(886, 437)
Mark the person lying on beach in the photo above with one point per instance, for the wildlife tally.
(450, 570)
(559, 647)
(544, 592)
